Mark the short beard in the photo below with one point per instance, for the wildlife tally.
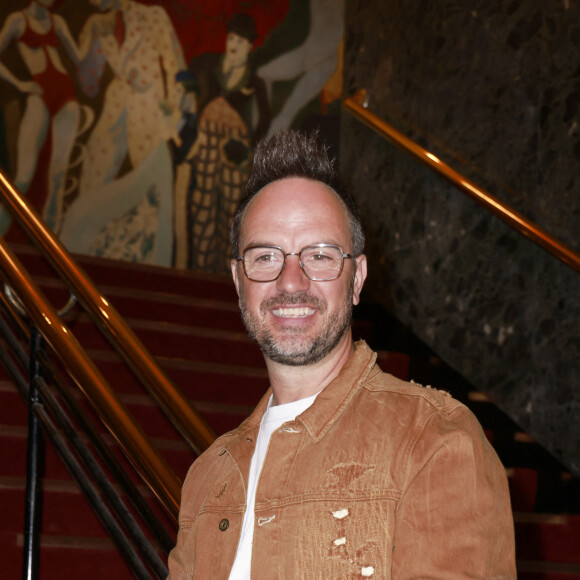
(299, 351)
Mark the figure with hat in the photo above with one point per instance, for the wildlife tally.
(233, 114)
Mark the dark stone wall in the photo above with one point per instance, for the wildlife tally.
(493, 89)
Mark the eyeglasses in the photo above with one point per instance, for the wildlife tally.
(320, 262)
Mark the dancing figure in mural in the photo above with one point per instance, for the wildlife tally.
(233, 114)
(312, 63)
(51, 105)
(125, 204)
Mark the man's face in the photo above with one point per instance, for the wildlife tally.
(297, 321)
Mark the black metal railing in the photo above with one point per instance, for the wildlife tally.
(171, 400)
(56, 412)
(71, 404)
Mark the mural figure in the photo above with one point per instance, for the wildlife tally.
(233, 114)
(51, 105)
(166, 162)
(125, 204)
(312, 63)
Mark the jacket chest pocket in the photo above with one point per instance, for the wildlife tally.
(338, 538)
(213, 539)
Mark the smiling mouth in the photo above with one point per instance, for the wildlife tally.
(300, 312)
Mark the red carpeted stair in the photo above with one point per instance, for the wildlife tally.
(190, 322)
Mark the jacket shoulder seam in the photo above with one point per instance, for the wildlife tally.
(438, 398)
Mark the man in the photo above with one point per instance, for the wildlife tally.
(342, 471)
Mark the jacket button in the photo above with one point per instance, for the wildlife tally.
(224, 525)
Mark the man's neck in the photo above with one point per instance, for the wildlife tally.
(293, 383)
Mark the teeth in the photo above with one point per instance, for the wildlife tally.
(293, 312)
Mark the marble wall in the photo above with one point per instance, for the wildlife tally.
(493, 89)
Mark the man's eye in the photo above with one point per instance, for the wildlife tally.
(320, 258)
(269, 258)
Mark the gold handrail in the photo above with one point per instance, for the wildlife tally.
(355, 105)
(162, 481)
(175, 405)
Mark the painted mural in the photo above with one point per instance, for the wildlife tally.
(129, 126)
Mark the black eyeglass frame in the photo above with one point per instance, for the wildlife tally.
(343, 256)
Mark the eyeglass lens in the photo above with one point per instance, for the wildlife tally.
(319, 263)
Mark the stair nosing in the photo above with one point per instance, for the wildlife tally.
(111, 291)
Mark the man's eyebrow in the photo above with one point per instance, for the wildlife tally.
(261, 243)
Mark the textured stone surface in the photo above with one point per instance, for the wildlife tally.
(493, 89)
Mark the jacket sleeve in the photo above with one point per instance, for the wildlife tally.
(182, 557)
(454, 519)
(177, 565)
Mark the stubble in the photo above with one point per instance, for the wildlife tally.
(296, 346)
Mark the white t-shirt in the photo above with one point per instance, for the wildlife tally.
(273, 418)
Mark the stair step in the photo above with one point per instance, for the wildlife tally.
(175, 451)
(523, 485)
(220, 409)
(13, 410)
(178, 341)
(159, 306)
(62, 513)
(65, 511)
(537, 570)
(104, 271)
(205, 381)
(395, 363)
(548, 538)
(65, 557)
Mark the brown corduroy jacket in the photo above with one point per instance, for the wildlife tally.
(378, 479)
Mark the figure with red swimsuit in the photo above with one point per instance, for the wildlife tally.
(51, 110)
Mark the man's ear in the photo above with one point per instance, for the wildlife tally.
(360, 275)
(234, 266)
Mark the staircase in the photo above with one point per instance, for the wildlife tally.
(190, 322)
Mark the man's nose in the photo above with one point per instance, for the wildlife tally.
(292, 279)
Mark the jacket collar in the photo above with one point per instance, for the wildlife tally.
(332, 400)
(335, 397)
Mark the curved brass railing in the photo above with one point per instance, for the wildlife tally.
(175, 405)
(356, 106)
(162, 481)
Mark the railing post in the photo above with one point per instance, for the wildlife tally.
(34, 467)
